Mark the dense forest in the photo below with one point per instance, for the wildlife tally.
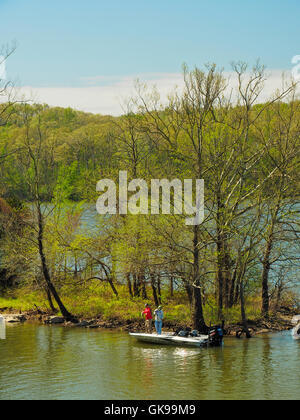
(54, 244)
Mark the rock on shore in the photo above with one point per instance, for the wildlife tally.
(295, 319)
(54, 320)
(279, 322)
(13, 318)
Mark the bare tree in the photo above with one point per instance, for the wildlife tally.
(7, 92)
(280, 137)
(34, 145)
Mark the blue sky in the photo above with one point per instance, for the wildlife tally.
(75, 43)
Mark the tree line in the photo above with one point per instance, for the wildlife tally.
(247, 152)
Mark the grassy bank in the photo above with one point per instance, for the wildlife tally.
(97, 301)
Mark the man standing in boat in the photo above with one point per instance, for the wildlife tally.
(159, 316)
(148, 318)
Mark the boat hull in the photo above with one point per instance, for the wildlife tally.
(168, 339)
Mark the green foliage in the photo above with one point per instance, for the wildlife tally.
(97, 301)
(248, 155)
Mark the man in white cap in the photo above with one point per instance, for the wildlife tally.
(159, 316)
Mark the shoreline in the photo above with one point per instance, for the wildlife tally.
(275, 323)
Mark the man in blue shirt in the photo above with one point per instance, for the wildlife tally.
(159, 315)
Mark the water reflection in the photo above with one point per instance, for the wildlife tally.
(38, 362)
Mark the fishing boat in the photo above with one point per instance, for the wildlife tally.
(186, 338)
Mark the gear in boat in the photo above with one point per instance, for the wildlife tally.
(214, 335)
(185, 337)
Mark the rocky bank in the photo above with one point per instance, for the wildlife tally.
(282, 321)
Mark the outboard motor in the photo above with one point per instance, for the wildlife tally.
(215, 336)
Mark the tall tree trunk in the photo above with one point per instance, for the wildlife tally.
(49, 298)
(171, 286)
(243, 311)
(129, 286)
(237, 291)
(113, 288)
(154, 291)
(136, 289)
(197, 309)
(143, 284)
(267, 261)
(220, 279)
(227, 271)
(232, 288)
(75, 268)
(159, 288)
(65, 313)
(220, 257)
(189, 292)
(265, 279)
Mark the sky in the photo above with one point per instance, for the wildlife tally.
(87, 54)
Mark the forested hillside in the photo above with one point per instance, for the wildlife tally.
(55, 246)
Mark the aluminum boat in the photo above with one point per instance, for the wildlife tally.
(171, 339)
(185, 338)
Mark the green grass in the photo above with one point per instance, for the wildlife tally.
(22, 303)
(97, 300)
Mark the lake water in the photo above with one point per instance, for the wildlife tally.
(41, 362)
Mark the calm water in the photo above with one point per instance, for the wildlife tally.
(39, 362)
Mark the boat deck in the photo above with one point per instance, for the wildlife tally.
(170, 339)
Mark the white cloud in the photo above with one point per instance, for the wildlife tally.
(106, 98)
(104, 95)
